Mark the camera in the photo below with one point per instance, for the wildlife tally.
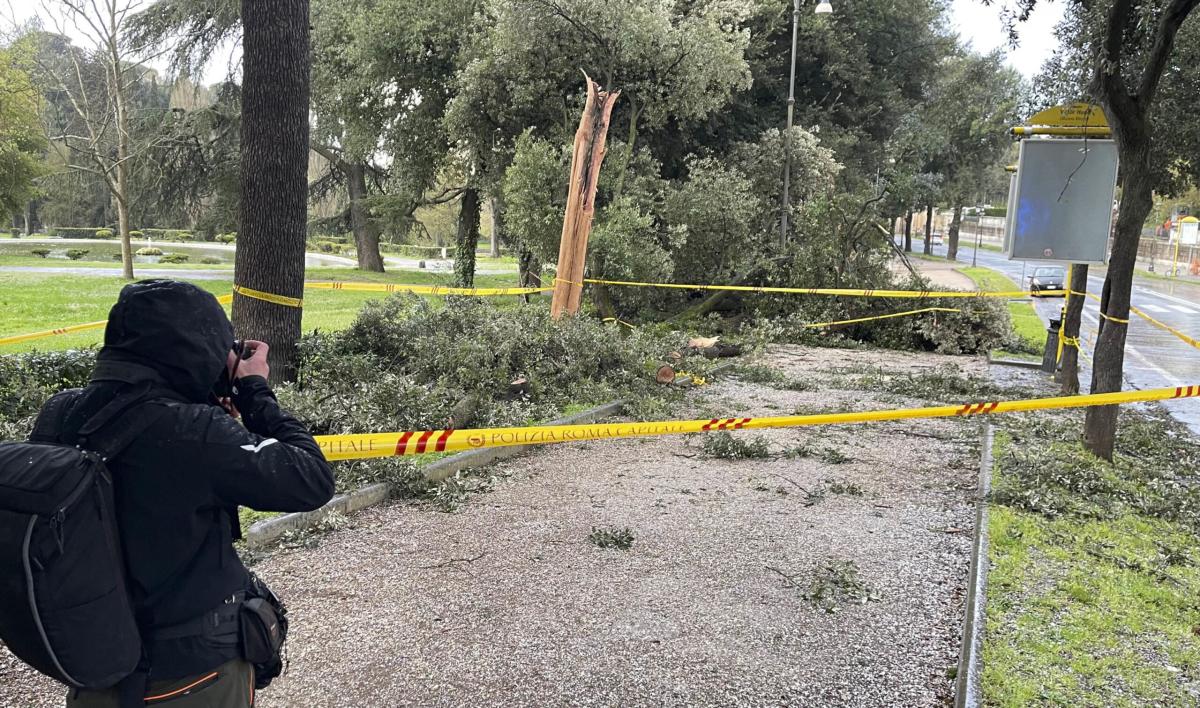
(239, 348)
(223, 388)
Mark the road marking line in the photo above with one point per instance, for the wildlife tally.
(1184, 310)
(1155, 308)
(1132, 351)
(1165, 296)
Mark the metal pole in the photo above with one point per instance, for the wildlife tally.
(978, 241)
(787, 137)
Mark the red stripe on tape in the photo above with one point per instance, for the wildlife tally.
(402, 443)
(423, 440)
(441, 441)
(709, 425)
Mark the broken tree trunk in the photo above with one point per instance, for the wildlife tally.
(581, 198)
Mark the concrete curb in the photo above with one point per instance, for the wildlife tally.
(1015, 362)
(267, 531)
(968, 687)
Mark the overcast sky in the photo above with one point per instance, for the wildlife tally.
(975, 23)
(980, 26)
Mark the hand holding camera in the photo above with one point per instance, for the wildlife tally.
(248, 358)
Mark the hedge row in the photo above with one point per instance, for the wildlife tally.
(107, 233)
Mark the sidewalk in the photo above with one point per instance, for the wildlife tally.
(941, 273)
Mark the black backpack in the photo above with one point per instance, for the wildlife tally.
(65, 608)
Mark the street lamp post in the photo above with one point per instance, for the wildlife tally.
(978, 235)
(823, 8)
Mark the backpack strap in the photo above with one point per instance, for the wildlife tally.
(116, 425)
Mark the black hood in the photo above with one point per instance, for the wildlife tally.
(174, 329)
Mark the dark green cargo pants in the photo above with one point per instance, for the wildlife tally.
(230, 685)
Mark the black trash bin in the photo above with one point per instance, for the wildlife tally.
(1050, 355)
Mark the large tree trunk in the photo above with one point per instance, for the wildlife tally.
(1072, 319)
(1100, 426)
(497, 209)
(30, 217)
(952, 237)
(908, 216)
(274, 168)
(366, 231)
(928, 250)
(466, 239)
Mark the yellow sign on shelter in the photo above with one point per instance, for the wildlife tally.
(1072, 115)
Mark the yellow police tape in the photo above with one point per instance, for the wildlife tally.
(371, 445)
(845, 292)
(268, 297)
(816, 325)
(421, 289)
(16, 338)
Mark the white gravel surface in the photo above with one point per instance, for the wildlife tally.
(506, 602)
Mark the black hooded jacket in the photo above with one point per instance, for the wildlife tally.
(179, 484)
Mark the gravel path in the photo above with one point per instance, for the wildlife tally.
(506, 602)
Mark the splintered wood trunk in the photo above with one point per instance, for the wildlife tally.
(466, 239)
(929, 230)
(581, 199)
(952, 237)
(274, 171)
(366, 231)
(1072, 319)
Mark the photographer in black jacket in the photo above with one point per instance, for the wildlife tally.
(179, 484)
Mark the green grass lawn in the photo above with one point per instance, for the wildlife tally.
(1089, 608)
(34, 302)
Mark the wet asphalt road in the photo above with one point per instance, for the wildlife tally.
(1154, 358)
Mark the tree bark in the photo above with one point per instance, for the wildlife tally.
(529, 270)
(122, 116)
(1072, 319)
(30, 217)
(123, 227)
(908, 216)
(466, 239)
(1100, 423)
(497, 209)
(1127, 113)
(274, 175)
(952, 236)
(928, 250)
(366, 231)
